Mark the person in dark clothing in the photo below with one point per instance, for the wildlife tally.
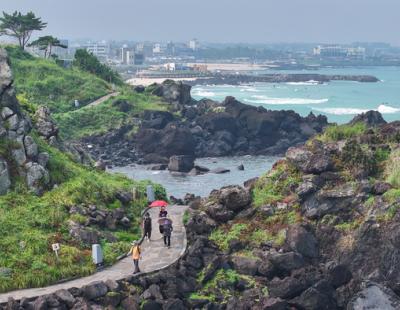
(167, 230)
(163, 214)
(147, 226)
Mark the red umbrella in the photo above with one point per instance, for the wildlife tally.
(159, 203)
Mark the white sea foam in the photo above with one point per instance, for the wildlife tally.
(277, 101)
(308, 83)
(249, 89)
(203, 93)
(384, 109)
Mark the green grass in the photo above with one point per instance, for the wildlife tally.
(341, 132)
(30, 224)
(106, 116)
(273, 186)
(222, 238)
(43, 82)
(392, 170)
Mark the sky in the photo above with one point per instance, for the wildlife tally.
(219, 21)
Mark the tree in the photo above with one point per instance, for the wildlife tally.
(46, 44)
(88, 62)
(20, 26)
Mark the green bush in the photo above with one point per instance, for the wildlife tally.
(341, 132)
(222, 238)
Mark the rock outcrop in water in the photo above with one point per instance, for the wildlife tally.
(237, 79)
(204, 128)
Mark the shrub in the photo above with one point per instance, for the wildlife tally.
(222, 238)
(392, 171)
(341, 132)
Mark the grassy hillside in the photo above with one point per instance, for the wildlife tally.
(43, 82)
(30, 224)
(78, 197)
(109, 115)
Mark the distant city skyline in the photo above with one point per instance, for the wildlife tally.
(221, 21)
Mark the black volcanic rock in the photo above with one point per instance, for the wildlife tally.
(370, 118)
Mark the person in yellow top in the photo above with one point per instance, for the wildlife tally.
(135, 251)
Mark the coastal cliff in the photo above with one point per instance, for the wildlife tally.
(318, 231)
(203, 128)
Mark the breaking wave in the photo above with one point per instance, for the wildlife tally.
(278, 101)
(384, 109)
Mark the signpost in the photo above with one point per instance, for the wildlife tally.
(56, 248)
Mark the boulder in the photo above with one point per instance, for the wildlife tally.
(309, 162)
(173, 92)
(319, 296)
(245, 265)
(302, 241)
(181, 163)
(5, 181)
(95, 290)
(339, 275)
(31, 148)
(374, 296)
(380, 188)
(285, 263)
(370, 118)
(44, 124)
(65, 297)
(153, 292)
(220, 170)
(85, 235)
(233, 197)
(36, 177)
(289, 287)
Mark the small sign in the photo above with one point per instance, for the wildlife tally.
(56, 248)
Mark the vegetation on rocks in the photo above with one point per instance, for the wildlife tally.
(113, 113)
(30, 224)
(43, 82)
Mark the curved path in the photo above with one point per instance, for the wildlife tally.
(155, 256)
(102, 99)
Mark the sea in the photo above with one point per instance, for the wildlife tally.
(340, 101)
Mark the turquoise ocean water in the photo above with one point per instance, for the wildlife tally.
(338, 100)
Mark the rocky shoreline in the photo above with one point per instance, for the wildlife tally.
(237, 79)
(202, 128)
(323, 240)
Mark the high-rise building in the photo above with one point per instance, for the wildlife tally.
(194, 44)
(98, 49)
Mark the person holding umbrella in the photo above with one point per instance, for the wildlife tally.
(163, 213)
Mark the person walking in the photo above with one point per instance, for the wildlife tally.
(136, 252)
(167, 230)
(163, 214)
(147, 226)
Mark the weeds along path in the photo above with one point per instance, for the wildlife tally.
(155, 256)
(102, 99)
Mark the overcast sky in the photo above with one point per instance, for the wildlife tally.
(252, 21)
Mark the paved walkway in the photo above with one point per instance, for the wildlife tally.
(102, 99)
(155, 256)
